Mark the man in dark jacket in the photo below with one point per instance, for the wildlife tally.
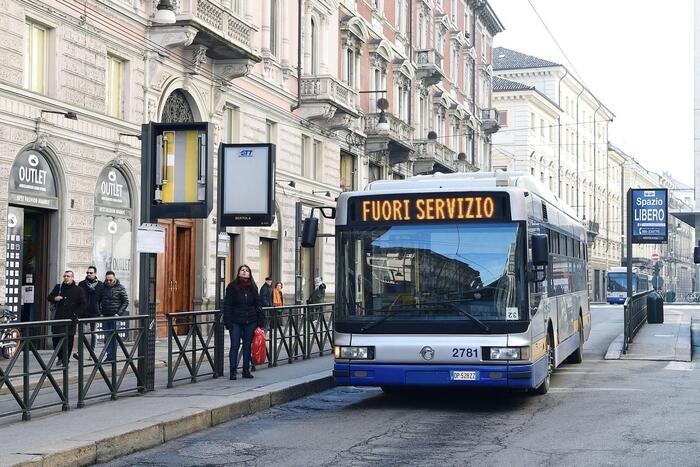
(69, 301)
(266, 293)
(114, 302)
(92, 288)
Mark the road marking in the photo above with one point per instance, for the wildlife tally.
(664, 335)
(591, 389)
(681, 366)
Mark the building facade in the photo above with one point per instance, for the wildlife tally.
(560, 136)
(78, 81)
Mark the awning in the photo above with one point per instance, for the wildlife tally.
(688, 217)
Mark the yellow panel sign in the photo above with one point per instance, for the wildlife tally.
(180, 169)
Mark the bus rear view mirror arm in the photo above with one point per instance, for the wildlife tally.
(309, 230)
(537, 274)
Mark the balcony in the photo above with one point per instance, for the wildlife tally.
(331, 103)
(224, 34)
(396, 141)
(429, 66)
(432, 157)
(592, 229)
(489, 121)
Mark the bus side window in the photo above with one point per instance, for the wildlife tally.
(562, 245)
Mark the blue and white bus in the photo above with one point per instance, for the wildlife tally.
(472, 279)
(617, 284)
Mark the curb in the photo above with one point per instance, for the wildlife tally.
(164, 428)
(615, 348)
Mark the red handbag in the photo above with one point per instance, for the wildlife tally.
(258, 350)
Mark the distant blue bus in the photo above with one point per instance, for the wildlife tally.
(617, 284)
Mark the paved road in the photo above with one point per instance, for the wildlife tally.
(597, 413)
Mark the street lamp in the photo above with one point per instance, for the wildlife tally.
(69, 115)
(165, 13)
(382, 124)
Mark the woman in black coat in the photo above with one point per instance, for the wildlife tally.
(242, 314)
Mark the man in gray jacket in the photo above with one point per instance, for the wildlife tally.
(113, 302)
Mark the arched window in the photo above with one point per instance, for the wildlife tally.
(314, 47)
(177, 109)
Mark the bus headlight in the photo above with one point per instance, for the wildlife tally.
(508, 353)
(354, 352)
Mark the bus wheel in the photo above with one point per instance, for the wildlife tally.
(544, 387)
(577, 356)
(392, 390)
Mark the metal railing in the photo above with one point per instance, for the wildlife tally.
(299, 331)
(125, 353)
(193, 348)
(32, 336)
(635, 317)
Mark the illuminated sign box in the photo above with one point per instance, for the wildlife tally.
(178, 159)
(649, 215)
(247, 184)
(429, 207)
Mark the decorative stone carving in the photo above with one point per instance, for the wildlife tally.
(199, 58)
(42, 141)
(229, 70)
(173, 36)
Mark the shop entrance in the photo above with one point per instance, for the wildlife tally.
(175, 278)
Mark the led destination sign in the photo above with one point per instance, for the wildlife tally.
(428, 207)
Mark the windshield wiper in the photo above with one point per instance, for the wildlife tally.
(451, 305)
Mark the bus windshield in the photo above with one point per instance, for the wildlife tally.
(471, 273)
(617, 282)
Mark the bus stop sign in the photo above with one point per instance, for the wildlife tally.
(649, 215)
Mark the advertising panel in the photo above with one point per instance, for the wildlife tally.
(247, 184)
(649, 215)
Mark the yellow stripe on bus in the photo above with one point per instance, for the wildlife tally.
(539, 348)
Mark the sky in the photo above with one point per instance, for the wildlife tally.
(636, 56)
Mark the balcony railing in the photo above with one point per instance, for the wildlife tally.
(433, 151)
(222, 25)
(325, 88)
(398, 129)
(429, 66)
(490, 120)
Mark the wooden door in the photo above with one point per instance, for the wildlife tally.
(175, 278)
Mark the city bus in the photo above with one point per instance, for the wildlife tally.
(466, 279)
(617, 284)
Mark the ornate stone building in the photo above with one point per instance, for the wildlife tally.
(78, 80)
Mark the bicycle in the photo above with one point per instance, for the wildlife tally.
(693, 297)
(9, 337)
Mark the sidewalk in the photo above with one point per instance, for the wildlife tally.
(670, 341)
(103, 431)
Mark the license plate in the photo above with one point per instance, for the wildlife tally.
(464, 375)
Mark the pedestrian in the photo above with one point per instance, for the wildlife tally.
(277, 296)
(319, 292)
(114, 302)
(266, 293)
(69, 302)
(92, 288)
(242, 314)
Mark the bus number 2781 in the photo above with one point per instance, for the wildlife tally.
(462, 352)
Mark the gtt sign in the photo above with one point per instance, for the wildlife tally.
(649, 215)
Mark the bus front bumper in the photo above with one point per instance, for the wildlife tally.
(517, 376)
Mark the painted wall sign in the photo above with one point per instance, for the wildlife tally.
(247, 184)
(112, 196)
(649, 215)
(32, 182)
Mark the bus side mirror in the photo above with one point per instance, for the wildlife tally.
(540, 250)
(696, 255)
(309, 232)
